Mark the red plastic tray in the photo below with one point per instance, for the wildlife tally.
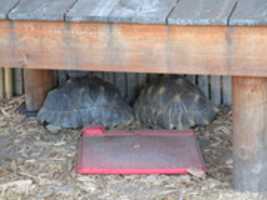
(138, 152)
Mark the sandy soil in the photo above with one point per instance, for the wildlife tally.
(36, 164)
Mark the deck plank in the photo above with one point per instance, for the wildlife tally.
(250, 12)
(6, 6)
(145, 11)
(227, 90)
(91, 10)
(132, 11)
(41, 10)
(202, 12)
(215, 89)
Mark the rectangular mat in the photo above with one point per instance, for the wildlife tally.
(138, 152)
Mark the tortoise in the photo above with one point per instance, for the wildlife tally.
(173, 103)
(85, 101)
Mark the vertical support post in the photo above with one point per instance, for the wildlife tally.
(37, 84)
(8, 83)
(250, 134)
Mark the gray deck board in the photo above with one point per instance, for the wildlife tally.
(250, 12)
(41, 10)
(142, 11)
(91, 10)
(6, 6)
(202, 12)
(132, 11)
(176, 12)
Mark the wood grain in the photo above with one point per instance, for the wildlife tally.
(215, 89)
(215, 50)
(6, 6)
(227, 90)
(5, 43)
(203, 84)
(91, 10)
(250, 13)
(37, 85)
(2, 90)
(41, 10)
(250, 132)
(18, 82)
(202, 12)
(8, 83)
(142, 11)
(130, 11)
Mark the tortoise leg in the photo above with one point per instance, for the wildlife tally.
(250, 134)
(37, 85)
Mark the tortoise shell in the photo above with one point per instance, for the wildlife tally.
(84, 101)
(173, 103)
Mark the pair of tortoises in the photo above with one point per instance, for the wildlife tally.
(169, 103)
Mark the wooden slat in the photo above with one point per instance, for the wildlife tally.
(144, 12)
(37, 85)
(203, 84)
(131, 86)
(215, 89)
(227, 90)
(6, 6)
(132, 11)
(41, 10)
(121, 83)
(91, 10)
(141, 80)
(2, 90)
(192, 78)
(18, 81)
(202, 12)
(99, 74)
(108, 77)
(8, 83)
(250, 12)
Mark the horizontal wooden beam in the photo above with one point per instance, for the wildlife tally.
(214, 50)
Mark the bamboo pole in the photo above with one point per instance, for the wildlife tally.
(8, 83)
(2, 95)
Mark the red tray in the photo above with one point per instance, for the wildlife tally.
(138, 152)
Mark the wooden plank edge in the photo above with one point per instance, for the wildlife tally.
(204, 50)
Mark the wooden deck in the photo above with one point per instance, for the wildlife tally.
(216, 37)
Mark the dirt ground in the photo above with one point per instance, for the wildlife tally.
(36, 164)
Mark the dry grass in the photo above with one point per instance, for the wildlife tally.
(35, 164)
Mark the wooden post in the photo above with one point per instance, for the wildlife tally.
(8, 83)
(250, 134)
(37, 84)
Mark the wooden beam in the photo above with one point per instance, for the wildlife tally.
(214, 50)
(37, 85)
(250, 134)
